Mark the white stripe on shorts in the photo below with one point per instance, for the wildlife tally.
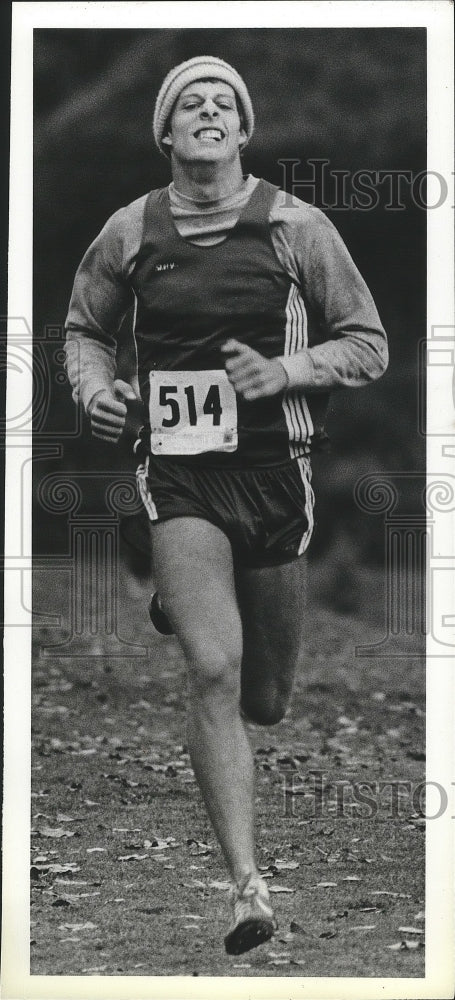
(146, 497)
(304, 465)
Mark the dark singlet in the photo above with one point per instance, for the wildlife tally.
(190, 301)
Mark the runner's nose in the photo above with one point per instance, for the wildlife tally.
(209, 110)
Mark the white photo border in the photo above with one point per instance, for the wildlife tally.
(16, 979)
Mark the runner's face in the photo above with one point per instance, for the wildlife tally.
(205, 124)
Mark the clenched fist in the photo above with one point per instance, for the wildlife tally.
(252, 375)
(107, 410)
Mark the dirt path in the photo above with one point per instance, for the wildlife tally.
(126, 876)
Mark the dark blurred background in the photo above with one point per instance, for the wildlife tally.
(356, 97)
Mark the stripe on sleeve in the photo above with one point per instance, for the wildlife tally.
(297, 414)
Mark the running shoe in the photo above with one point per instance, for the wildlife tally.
(158, 616)
(253, 921)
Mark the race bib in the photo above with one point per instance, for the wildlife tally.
(192, 412)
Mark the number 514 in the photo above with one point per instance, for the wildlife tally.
(211, 406)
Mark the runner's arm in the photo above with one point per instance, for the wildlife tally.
(354, 348)
(100, 298)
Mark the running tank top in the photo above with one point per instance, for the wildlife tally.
(191, 299)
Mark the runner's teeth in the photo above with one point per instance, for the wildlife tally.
(209, 133)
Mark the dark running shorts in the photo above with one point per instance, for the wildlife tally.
(267, 514)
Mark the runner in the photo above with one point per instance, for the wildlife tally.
(248, 312)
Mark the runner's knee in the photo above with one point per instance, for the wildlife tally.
(213, 668)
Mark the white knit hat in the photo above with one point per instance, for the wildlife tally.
(198, 68)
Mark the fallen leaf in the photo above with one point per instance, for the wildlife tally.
(297, 928)
(61, 902)
(93, 850)
(410, 930)
(219, 885)
(160, 845)
(80, 895)
(363, 927)
(132, 857)
(280, 888)
(70, 882)
(329, 934)
(326, 885)
(242, 965)
(78, 927)
(57, 869)
(200, 848)
(387, 892)
(279, 954)
(351, 878)
(420, 915)
(56, 833)
(59, 709)
(278, 961)
(280, 866)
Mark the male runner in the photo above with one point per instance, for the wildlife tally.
(248, 311)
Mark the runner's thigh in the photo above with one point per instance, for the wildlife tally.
(193, 571)
(272, 602)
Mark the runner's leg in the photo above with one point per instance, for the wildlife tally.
(193, 570)
(272, 601)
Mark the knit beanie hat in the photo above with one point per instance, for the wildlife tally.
(198, 68)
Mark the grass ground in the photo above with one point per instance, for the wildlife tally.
(126, 875)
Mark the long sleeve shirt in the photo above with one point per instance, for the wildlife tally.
(353, 353)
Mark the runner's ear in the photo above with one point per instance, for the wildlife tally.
(167, 140)
(243, 138)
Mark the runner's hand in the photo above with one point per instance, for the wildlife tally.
(252, 375)
(107, 410)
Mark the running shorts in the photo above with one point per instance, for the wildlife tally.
(267, 514)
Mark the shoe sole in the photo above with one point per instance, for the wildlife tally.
(249, 934)
(158, 618)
